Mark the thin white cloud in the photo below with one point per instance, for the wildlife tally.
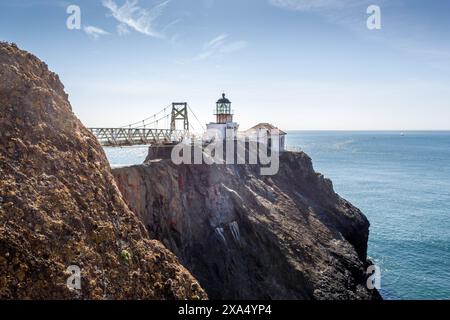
(219, 46)
(216, 42)
(122, 29)
(310, 5)
(233, 47)
(94, 32)
(131, 16)
(171, 24)
(351, 14)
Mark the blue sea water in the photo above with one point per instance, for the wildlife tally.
(402, 184)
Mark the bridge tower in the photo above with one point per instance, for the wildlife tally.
(179, 112)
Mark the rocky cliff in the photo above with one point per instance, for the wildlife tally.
(246, 236)
(60, 206)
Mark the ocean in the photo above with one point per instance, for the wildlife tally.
(401, 182)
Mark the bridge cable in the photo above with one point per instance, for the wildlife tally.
(203, 128)
(143, 121)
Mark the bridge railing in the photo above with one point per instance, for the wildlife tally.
(136, 136)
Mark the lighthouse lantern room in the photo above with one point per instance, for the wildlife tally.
(224, 120)
(223, 110)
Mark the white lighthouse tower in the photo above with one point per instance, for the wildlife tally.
(224, 121)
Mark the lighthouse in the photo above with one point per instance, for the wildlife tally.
(224, 124)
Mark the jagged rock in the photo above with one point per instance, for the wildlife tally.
(60, 206)
(246, 236)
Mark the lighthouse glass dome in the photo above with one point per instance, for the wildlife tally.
(223, 106)
(223, 111)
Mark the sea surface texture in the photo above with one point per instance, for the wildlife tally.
(401, 181)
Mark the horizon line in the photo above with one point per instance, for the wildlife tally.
(368, 130)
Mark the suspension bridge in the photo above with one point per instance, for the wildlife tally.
(174, 120)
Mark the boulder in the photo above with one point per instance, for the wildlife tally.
(60, 206)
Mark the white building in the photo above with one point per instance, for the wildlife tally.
(224, 120)
(267, 131)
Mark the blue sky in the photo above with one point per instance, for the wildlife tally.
(299, 64)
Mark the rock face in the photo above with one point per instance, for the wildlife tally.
(246, 236)
(60, 206)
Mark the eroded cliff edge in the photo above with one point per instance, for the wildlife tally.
(246, 236)
(60, 206)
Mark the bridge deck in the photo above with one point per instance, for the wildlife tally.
(115, 137)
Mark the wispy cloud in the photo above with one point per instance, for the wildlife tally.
(171, 24)
(220, 46)
(350, 14)
(310, 5)
(131, 16)
(122, 29)
(94, 32)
